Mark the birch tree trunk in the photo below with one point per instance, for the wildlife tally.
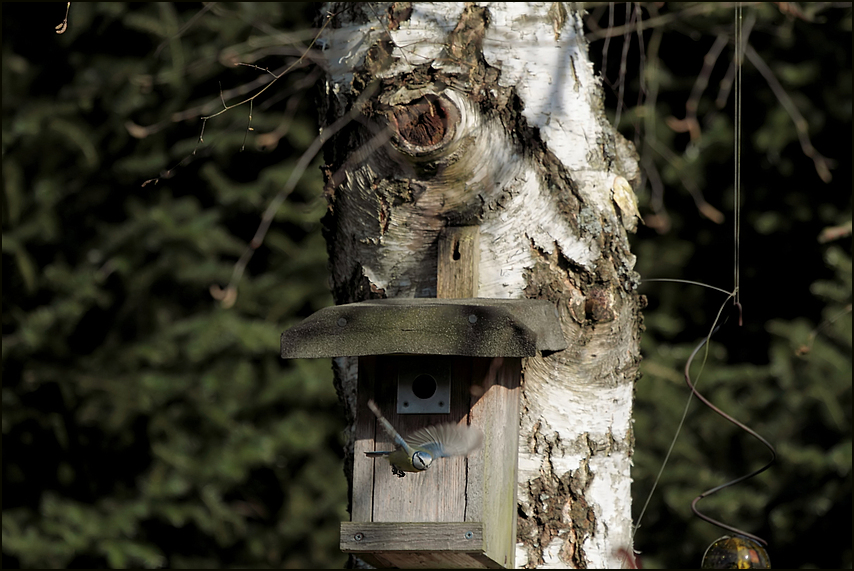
(489, 114)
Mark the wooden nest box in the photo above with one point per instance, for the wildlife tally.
(428, 361)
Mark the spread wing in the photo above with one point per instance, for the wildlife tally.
(393, 434)
(447, 439)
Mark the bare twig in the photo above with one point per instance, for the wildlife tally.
(822, 163)
(228, 296)
(690, 123)
(660, 219)
(704, 207)
(268, 140)
(630, 27)
(729, 78)
(831, 233)
(184, 28)
(140, 132)
(258, 67)
(805, 349)
(292, 66)
(624, 59)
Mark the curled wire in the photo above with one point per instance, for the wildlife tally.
(740, 425)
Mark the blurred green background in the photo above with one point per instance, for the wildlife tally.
(145, 425)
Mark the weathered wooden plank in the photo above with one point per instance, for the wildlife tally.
(417, 545)
(475, 327)
(492, 475)
(435, 495)
(465, 537)
(459, 253)
(365, 433)
(461, 512)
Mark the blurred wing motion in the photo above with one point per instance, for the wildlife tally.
(444, 440)
(441, 440)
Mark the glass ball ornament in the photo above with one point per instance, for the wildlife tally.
(735, 552)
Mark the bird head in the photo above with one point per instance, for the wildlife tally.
(421, 460)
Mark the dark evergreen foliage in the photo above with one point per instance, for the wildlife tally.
(787, 371)
(144, 424)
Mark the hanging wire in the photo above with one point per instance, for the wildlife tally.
(740, 425)
(739, 57)
(739, 53)
(726, 547)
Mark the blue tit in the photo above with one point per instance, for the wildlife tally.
(416, 453)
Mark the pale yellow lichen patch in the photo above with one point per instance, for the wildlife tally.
(627, 203)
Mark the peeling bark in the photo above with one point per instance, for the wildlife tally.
(490, 115)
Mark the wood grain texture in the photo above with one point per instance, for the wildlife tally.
(455, 536)
(417, 545)
(422, 520)
(459, 257)
(435, 495)
(492, 476)
(366, 429)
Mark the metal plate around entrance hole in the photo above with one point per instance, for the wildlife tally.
(424, 385)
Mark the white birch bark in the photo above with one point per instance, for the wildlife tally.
(521, 148)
